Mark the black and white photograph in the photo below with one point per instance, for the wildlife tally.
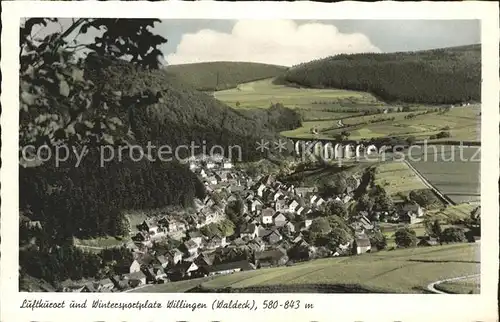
(298, 156)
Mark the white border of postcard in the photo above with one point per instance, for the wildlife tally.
(347, 307)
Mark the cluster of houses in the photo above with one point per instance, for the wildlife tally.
(275, 216)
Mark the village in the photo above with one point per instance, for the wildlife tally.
(274, 218)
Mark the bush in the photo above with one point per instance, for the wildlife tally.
(443, 134)
(405, 237)
(453, 235)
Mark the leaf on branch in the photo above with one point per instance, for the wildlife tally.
(63, 88)
(27, 98)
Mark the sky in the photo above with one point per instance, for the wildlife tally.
(290, 42)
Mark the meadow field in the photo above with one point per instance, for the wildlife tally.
(314, 104)
(397, 178)
(453, 170)
(397, 271)
(321, 110)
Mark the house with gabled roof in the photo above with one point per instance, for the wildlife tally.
(135, 266)
(215, 242)
(205, 259)
(289, 227)
(267, 216)
(361, 245)
(182, 270)
(162, 260)
(191, 247)
(281, 205)
(260, 190)
(249, 231)
(273, 237)
(272, 257)
(255, 204)
(105, 285)
(174, 256)
(293, 205)
(196, 236)
(228, 268)
(280, 219)
(257, 244)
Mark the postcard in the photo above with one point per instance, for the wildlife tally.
(216, 161)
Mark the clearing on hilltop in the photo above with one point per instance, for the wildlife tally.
(215, 76)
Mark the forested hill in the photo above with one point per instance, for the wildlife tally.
(88, 200)
(186, 115)
(440, 76)
(214, 76)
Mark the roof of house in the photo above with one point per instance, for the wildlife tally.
(105, 281)
(429, 240)
(162, 259)
(195, 234)
(190, 244)
(476, 213)
(280, 215)
(175, 252)
(135, 275)
(248, 229)
(268, 212)
(243, 265)
(145, 259)
(363, 242)
(256, 240)
(276, 253)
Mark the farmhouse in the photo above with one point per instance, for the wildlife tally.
(361, 245)
(267, 216)
(249, 231)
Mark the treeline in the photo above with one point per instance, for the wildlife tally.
(277, 116)
(442, 76)
(186, 115)
(216, 76)
(88, 200)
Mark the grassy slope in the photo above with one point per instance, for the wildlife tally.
(460, 287)
(440, 76)
(203, 76)
(399, 271)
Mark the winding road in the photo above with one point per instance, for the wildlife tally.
(431, 286)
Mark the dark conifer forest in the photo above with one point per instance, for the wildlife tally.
(441, 76)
